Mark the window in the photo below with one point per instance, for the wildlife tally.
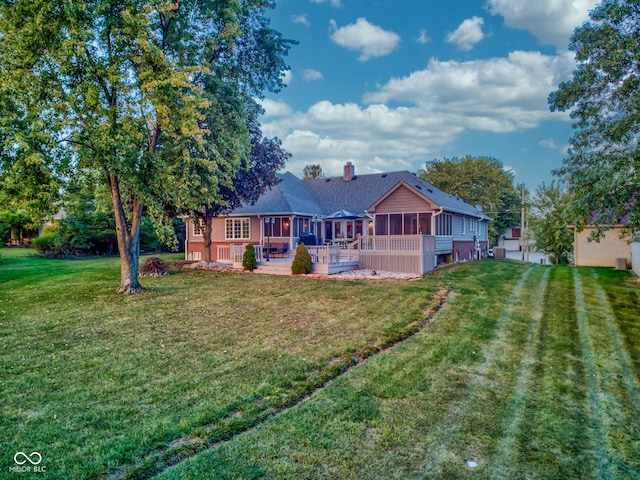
(472, 225)
(198, 226)
(382, 224)
(444, 223)
(395, 224)
(237, 229)
(424, 224)
(410, 223)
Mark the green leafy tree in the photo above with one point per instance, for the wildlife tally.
(256, 175)
(603, 164)
(302, 263)
(478, 181)
(312, 171)
(550, 215)
(151, 96)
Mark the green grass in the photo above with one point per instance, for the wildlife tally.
(529, 371)
(102, 384)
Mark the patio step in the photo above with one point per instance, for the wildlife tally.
(274, 268)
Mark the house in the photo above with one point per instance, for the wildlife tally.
(511, 239)
(394, 204)
(603, 253)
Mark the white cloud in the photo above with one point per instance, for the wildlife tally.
(548, 143)
(423, 38)
(467, 34)
(551, 21)
(287, 77)
(552, 145)
(497, 94)
(301, 19)
(334, 3)
(510, 169)
(368, 39)
(433, 107)
(274, 108)
(311, 74)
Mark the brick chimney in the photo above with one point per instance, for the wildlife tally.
(349, 172)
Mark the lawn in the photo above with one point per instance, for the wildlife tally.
(526, 372)
(106, 385)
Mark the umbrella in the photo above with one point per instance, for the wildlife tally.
(343, 215)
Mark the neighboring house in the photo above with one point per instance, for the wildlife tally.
(393, 204)
(52, 220)
(603, 253)
(511, 240)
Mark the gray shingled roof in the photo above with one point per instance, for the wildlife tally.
(323, 196)
(289, 196)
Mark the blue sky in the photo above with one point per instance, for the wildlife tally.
(392, 84)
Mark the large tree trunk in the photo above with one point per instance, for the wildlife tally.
(206, 236)
(128, 240)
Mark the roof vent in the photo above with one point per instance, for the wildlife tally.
(328, 180)
(418, 187)
(383, 175)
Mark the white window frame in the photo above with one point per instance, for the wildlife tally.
(198, 227)
(239, 228)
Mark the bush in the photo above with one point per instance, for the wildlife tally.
(302, 262)
(249, 261)
(154, 267)
(46, 243)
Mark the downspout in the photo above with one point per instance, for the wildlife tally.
(261, 237)
(186, 239)
(433, 220)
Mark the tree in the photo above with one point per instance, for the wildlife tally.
(256, 175)
(603, 164)
(550, 215)
(478, 181)
(150, 95)
(302, 263)
(312, 171)
(249, 261)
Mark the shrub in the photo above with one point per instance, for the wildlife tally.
(154, 267)
(46, 243)
(249, 261)
(302, 261)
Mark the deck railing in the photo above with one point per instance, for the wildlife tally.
(234, 252)
(398, 253)
(324, 253)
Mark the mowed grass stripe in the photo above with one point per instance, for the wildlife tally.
(607, 463)
(505, 462)
(474, 425)
(554, 435)
(623, 358)
(613, 389)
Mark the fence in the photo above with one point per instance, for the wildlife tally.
(398, 253)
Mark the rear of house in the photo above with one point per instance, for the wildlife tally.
(395, 204)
